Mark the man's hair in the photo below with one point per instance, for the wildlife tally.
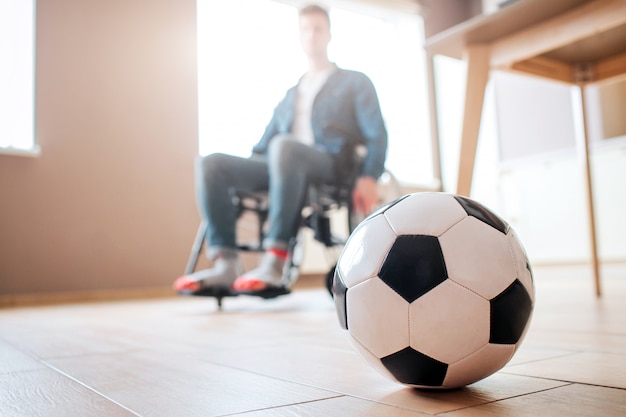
(314, 9)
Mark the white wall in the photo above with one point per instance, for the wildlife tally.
(542, 193)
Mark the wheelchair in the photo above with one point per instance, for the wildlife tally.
(323, 200)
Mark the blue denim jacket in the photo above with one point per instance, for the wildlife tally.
(346, 113)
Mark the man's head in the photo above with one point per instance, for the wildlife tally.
(314, 31)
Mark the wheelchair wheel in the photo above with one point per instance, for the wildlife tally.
(330, 276)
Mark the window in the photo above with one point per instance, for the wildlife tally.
(17, 110)
(249, 55)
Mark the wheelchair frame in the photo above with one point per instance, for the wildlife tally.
(322, 200)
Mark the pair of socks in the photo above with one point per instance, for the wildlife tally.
(227, 272)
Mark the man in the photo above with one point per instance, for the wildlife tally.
(312, 135)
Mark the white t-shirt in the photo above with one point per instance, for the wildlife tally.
(310, 84)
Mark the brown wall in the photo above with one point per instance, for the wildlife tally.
(109, 203)
(440, 15)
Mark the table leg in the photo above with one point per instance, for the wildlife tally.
(477, 76)
(583, 154)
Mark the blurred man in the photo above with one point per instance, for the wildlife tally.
(311, 138)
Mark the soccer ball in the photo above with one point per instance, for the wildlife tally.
(434, 290)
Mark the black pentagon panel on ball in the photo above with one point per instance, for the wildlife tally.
(510, 311)
(414, 368)
(339, 290)
(482, 213)
(414, 266)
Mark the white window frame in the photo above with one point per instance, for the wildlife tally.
(17, 78)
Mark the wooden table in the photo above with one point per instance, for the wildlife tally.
(573, 41)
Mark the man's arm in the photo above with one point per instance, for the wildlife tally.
(369, 117)
(365, 195)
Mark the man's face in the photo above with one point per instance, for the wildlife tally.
(314, 33)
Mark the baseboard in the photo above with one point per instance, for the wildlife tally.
(35, 299)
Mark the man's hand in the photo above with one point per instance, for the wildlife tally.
(365, 195)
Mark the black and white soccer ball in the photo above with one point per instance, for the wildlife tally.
(435, 290)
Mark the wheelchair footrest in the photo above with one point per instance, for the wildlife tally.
(221, 292)
(270, 292)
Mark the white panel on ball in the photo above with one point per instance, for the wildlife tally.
(481, 364)
(449, 322)
(478, 257)
(428, 214)
(380, 318)
(362, 257)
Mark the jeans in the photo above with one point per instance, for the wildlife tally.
(285, 171)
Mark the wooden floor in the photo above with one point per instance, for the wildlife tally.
(178, 357)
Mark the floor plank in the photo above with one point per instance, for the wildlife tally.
(45, 393)
(338, 407)
(157, 384)
(571, 400)
(595, 368)
(13, 360)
